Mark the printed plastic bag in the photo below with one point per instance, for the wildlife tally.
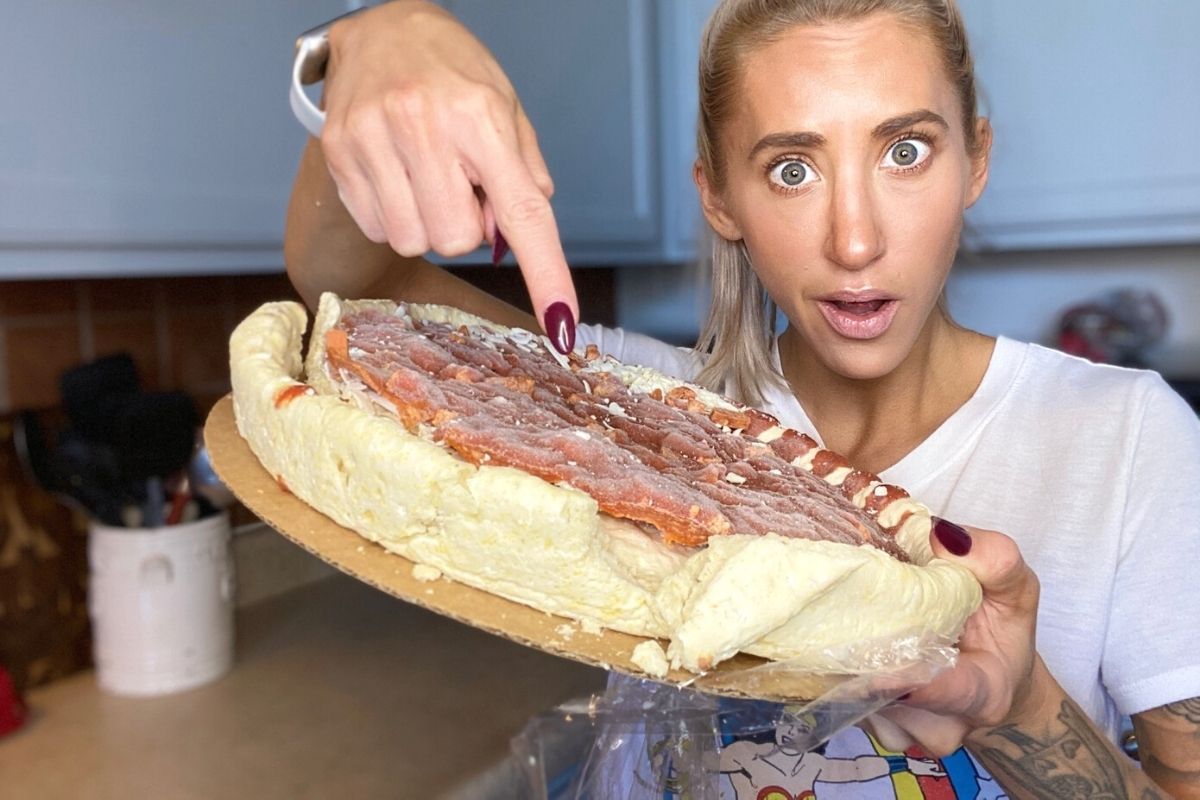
(643, 740)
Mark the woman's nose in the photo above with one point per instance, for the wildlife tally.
(855, 239)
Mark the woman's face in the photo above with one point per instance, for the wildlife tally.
(846, 177)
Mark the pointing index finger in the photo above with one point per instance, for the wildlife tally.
(525, 219)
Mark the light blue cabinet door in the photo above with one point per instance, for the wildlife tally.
(586, 76)
(148, 138)
(1095, 105)
(681, 24)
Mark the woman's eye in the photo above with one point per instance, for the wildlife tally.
(791, 174)
(908, 153)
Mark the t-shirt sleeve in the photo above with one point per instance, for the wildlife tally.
(636, 348)
(1152, 648)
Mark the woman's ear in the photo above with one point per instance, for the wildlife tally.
(713, 206)
(980, 160)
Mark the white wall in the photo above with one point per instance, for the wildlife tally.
(1022, 294)
(1013, 294)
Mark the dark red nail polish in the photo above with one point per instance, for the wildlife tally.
(560, 326)
(903, 697)
(499, 248)
(953, 537)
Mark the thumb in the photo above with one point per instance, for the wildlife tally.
(993, 558)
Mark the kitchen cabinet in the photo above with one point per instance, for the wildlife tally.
(610, 90)
(584, 73)
(681, 24)
(1094, 106)
(148, 138)
(158, 140)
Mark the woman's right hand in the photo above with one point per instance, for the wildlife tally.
(431, 150)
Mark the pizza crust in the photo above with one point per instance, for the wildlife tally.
(547, 546)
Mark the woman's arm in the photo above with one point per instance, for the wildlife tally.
(1169, 746)
(1050, 748)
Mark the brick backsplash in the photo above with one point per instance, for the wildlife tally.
(176, 329)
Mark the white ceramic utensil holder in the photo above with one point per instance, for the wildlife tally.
(161, 603)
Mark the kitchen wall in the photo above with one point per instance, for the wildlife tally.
(1022, 294)
(176, 329)
(1016, 294)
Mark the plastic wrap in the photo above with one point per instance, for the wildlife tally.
(642, 739)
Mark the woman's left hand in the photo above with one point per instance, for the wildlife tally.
(997, 676)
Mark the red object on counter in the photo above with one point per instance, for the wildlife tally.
(12, 709)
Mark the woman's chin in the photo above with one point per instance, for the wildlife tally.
(853, 359)
(862, 360)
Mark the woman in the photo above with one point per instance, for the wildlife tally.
(839, 147)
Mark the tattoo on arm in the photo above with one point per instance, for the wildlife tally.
(1071, 760)
(1169, 744)
(1187, 709)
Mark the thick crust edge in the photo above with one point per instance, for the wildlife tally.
(512, 534)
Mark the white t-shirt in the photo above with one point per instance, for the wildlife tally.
(1095, 472)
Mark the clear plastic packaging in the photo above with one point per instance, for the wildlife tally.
(643, 740)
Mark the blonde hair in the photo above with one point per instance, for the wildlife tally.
(740, 326)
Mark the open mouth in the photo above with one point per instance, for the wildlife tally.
(860, 308)
(859, 319)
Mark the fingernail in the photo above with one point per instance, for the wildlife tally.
(560, 326)
(499, 248)
(953, 537)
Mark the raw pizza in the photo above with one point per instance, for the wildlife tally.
(609, 494)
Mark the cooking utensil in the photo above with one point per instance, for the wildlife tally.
(204, 482)
(93, 392)
(156, 499)
(181, 495)
(82, 475)
(154, 433)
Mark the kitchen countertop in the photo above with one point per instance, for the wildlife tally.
(338, 691)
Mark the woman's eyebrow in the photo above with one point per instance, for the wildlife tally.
(805, 139)
(810, 140)
(900, 124)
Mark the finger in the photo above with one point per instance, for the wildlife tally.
(532, 154)
(963, 690)
(354, 188)
(389, 181)
(888, 733)
(494, 237)
(993, 558)
(938, 735)
(526, 220)
(402, 222)
(489, 220)
(446, 201)
(407, 234)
